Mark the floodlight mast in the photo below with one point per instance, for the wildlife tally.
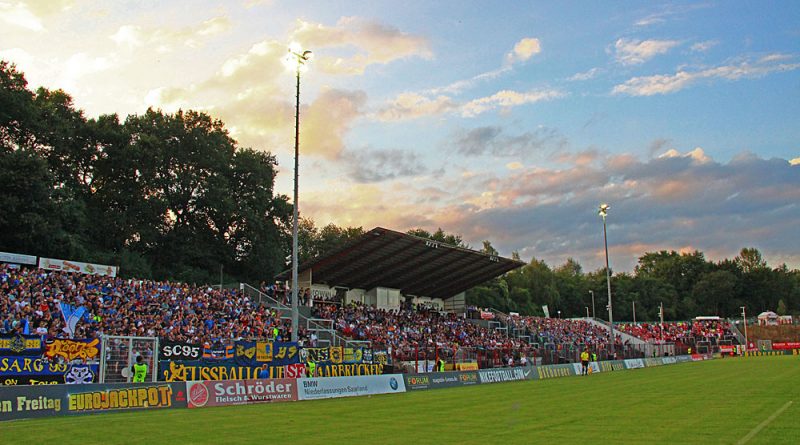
(297, 60)
(603, 212)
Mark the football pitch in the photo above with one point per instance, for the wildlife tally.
(742, 400)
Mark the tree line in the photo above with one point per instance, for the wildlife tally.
(164, 196)
(173, 196)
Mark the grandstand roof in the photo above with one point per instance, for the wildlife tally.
(396, 260)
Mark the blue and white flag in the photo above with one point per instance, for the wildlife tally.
(71, 317)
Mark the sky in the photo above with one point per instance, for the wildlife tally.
(501, 121)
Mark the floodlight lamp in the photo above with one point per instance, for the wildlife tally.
(603, 210)
(295, 47)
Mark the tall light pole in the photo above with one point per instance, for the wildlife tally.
(634, 311)
(661, 315)
(592, 292)
(603, 212)
(587, 311)
(296, 59)
(744, 319)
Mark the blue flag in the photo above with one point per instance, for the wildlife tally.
(71, 317)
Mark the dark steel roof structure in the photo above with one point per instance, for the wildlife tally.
(417, 266)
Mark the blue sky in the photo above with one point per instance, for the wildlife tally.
(504, 121)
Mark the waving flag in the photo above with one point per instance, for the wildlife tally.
(71, 317)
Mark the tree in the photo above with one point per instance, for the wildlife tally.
(781, 308)
(713, 292)
(750, 260)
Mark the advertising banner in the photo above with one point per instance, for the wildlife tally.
(610, 365)
(440, 380)
(380, 357)
(257, 353)
(16, 258)
(634, 363)
(348, 370)
(552, 371)
(75, 266)
(650, 362)
(669, 360)
(324, 388)
(471, 366)
(170, 350)
(295, 371)
(174, 371)
(70, 350)
(500, 375)
(38, 371)
(683, 358)
(52, 400)
(593, 366)
(16, 345)
(240, 392)
(336, 355)
(786, 345)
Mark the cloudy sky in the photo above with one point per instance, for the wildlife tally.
(507, 121)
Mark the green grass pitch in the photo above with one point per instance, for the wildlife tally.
(742, 400)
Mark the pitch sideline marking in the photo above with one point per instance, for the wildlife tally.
(763, 424)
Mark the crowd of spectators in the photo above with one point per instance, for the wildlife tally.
(411, 328)
(684, 332)
(30, 303)
(578, 333)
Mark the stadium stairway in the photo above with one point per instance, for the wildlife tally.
(326, 334)
(625, 337)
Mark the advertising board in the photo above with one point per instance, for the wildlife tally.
(76, 266)
(552, 371)
(634, 363)
(329, 387)
(440, 380)
(500, 375)
(240, 392)
(19, 402)
(593, 366)
(39, 371)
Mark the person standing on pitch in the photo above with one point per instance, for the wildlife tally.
(585, 361)
(139, 370)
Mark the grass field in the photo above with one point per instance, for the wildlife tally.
(754, 399)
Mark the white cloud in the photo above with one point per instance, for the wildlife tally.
(634, 52)
(411, 105)
(586, 75)
(128, 35)
(374, 43)
(666, 83)
(524, 50)
(507, 99)
(697, 155)
(795, 161)
(18, 14)
(165, 39)
(701, 47)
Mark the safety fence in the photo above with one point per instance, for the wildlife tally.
(17, 402)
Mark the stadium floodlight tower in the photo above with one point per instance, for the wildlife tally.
(296, 60)
(744, 320)
(603, 212)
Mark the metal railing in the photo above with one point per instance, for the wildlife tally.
(324, 329)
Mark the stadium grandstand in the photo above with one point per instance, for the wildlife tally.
(415, 314)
